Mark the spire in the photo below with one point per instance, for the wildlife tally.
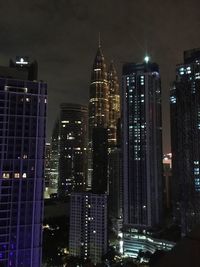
(99, 40)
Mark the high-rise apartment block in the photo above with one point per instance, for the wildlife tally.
(22, 142)
(142, 145)
(72, 148)
(185, 141)
(88, 226)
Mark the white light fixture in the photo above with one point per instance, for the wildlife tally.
(146, 59)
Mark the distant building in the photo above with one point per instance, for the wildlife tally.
(135, 242)
(104, 106)
(47, 169)
(185, 141)
(167, 174)
(72, 148)
(142, 145)
(22, 152)
(114, 105)
(88, 226)
(54, 161)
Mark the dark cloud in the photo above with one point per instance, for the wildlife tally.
(63, 34)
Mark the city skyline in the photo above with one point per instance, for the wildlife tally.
(128, 31)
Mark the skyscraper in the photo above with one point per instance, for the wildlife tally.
(88, 226)
(72, 148)
(185, 140)
(142, 145)
(104, 105)
(22, 139)
(98, 103)
(114, 105)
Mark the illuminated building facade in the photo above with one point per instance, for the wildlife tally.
(114, 105)
(88, 226)
(98, 104)
(54, 161)
(142, 145)
(185, 141)
(135, 241)
(47, 169)
(104, 104)
(22, 139)
(72, 148)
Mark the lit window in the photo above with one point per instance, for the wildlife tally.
(6, 175)
(24, 175)
(173, 99)
(16, 175)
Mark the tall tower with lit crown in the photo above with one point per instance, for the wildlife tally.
(98, 102)
(142, 145)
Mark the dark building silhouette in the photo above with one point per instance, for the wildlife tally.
(72, 148)
(185, 141)
(142, 145)
(115, 184)
(167, 175)
(22, 139)
(100, 160)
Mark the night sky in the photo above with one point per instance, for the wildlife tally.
(62, 35)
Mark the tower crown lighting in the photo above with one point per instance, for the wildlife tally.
(146, 59)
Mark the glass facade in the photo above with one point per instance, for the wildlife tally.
(72, 148)
(22, 140)
(142, 145)
(185, 140)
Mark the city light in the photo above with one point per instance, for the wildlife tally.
(146, 59)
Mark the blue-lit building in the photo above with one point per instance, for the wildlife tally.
(185, 141)
(22, 142)
(142, 145)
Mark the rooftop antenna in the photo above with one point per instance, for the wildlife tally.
(99, 39)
